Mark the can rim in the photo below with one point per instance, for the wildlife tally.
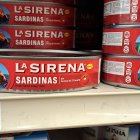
(37, 2)
(122, 26)
(37, 27)
(122, 56)
(42, 54)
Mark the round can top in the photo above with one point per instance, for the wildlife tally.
(47, 54)
(122, 56)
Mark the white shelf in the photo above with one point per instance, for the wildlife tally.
(101, 106)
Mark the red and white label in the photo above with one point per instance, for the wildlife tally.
(37, 14)
(36, 38)
(117, 7)
(121, 41)
(121, 71)
(121, 11)
(48, 75)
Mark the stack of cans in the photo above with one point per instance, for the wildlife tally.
(89, 25)
(29, 24)
(121, 43)
(34, 36)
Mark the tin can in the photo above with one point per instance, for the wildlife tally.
(88, 39)
(124, 132)
(121, 12)
(37, 13)
(22, 37)
(91, 133)
(39, 135)
(123, 71)
(87, 18)
(122, 40)
(48, 71)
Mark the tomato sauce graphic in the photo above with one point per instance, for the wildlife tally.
(50, 71)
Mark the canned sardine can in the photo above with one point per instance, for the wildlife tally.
(39, 14)
(124, 40)
(87, 39)
(124, 132)
(48, 71)
(123, 71)
(121, 12)
(21, 37)
(91, 133)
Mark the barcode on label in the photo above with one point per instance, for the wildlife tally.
(112, 67)
(113, 38)
(117, 7)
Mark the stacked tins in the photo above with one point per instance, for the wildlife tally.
(89, 25)
(37, 24)
(30, 33)
(121, 43)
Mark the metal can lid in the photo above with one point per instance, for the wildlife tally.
(122, 56)
(37, 27)
(46, 54)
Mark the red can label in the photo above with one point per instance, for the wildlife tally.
(121, 41)
(121, 11)
(121, 71)
(48, 75)
(36, 38)
(36, 14)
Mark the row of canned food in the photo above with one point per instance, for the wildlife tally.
(36, 37)
(120, 132)
(61, 71)
(116, 132)
(121, 43)
(46, 14)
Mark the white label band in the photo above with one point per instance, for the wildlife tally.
(117, 7)
(112, 67)
(113, 38)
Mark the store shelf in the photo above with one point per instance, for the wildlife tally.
(101, 106)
